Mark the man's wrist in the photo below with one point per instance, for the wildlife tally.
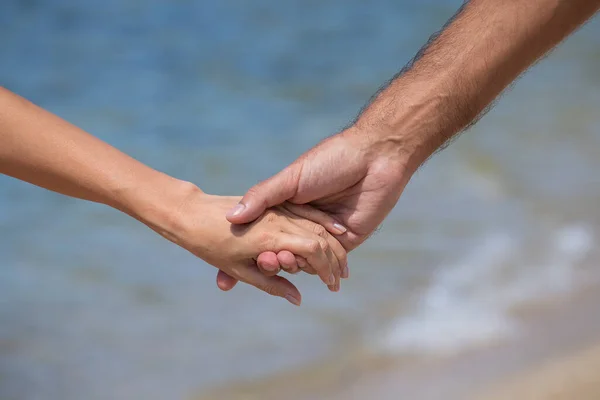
(408, 131)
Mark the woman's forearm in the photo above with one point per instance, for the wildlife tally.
(43, 149)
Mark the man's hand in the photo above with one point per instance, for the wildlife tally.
(353, 177)
(349, 177)
(357, 176)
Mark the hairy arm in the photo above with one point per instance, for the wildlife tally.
(451, 81)
(462, 69)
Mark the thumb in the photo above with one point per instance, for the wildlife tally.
(225, 282)
(275, 190)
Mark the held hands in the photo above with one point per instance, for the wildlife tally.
(200, 227)
(33, 143)
(353, 177)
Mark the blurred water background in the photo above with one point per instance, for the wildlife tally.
(225, 93)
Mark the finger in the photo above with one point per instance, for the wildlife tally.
(225, 282)
(287, 261)
(336, 254)
(273, 285)
(321, 231)
(332, 225)
(336, 269)
(313, 249)
(268, 263)
(340, 254)
(337, 250)
(269, 193)
(303, 265)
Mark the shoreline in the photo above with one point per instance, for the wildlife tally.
(560, 337)
(562, 334)
(574, 376)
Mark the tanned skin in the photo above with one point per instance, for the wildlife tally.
(452, 80)
(41, 148)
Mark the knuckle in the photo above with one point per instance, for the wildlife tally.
(324, 244)
(265, 239)
(313, 247)
(256, 193)
(255, 190)
(320, 230)
(271, 289)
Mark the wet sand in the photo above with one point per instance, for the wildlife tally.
(556, 356)
(574, 376)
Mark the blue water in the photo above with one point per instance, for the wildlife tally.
(225, 93)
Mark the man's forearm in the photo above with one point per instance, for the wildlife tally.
(41, 148)
(488, 44)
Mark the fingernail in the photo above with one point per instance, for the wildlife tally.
(331, 279)
(340, 228)
(345, 272)
(292, 300)
(237, 210)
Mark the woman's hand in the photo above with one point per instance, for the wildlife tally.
(38, 147)
(199, 225)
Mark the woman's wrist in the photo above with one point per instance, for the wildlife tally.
(159, 203)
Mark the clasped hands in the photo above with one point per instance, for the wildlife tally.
(307, 217)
